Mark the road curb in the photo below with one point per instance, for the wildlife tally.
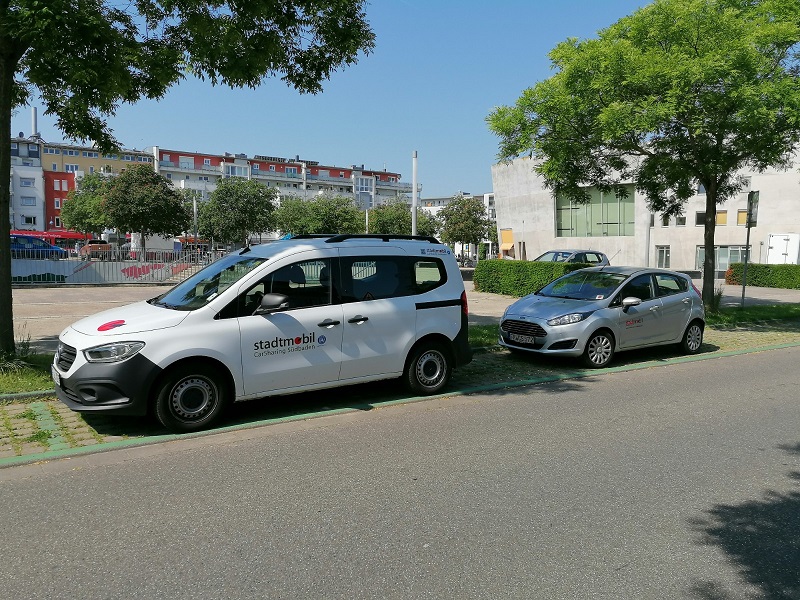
(131, 443)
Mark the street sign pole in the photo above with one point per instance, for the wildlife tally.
(752, 217)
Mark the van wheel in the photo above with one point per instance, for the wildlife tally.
(692, 338)
(428, 369)
(599, 350)
(190, 398)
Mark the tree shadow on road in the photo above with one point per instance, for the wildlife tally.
(759, 537)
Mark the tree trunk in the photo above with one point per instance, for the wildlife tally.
(6, 312)
(709, 267)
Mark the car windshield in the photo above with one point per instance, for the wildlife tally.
(202, 287)
(584, 285)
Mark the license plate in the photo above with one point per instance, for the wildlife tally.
(56, 375)
(522, 339)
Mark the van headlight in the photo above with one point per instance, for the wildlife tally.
(568, 319)
(115, 352)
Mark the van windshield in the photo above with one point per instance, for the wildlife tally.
(202, 287)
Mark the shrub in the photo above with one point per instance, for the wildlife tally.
(775, 276)
(518, 277)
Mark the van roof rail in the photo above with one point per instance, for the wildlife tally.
(386, 237)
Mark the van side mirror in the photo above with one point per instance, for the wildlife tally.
(271, 303)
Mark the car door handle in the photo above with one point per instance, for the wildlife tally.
(687, 300)
(358, 319)
(653, 308)
(328, 323)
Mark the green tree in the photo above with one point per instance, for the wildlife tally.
(395, 217)
(142, 201)
(85, 57)
(322, 214)
(463, 221)
(83, 209)
(236, 209)
(679, 92)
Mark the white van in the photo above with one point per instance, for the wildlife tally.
(301, 314)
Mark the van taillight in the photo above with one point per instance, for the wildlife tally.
(464, 307)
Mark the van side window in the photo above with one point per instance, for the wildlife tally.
(305, 284)
(429, 274)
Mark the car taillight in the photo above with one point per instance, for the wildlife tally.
(464, 307)
(696, 291)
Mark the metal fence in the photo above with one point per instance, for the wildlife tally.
(160, 267)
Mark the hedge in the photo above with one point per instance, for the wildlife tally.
(774, 276)
(518, 277)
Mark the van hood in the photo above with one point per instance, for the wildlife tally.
(133, 318)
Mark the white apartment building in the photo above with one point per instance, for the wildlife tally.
(531, 221)
(27, 208)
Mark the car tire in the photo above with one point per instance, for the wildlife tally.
(428, 369)
(191, 398)
(692, 338)
(599, 350)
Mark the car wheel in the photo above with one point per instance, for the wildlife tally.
(599, 350)
(428, 369)
(191, 398)
(692, 338)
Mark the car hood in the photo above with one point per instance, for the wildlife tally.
(547, 307)
(132, 318)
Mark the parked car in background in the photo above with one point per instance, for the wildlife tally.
(95, 249)
(26, 246)
(591, 257)
(597, 311)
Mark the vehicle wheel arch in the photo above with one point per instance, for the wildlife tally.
(414, 373)
(195, 362)
(438, 338)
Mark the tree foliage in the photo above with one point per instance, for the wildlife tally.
(142, 201)
(85, 57)
(83, 209)
(679, 92)
(236, 209)
(322, 214)
(463, 221)
(395, 217)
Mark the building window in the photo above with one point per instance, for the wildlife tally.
(662, 257)
(203, 178)
(90, 154)
(272, 168)
(235, 171)
(680, 221)
(58, 221)
(604, 215)
(52, 150)
(165, 157)
(57, 203)
(665, 221)
(57, 184)
(256, 166)
(71, 168)
(26, 182)
(701, 191)
(291, 171)
(169, 175)
(700, 219)
(55, 167)
(64, 186)
(724, 256)
(28, 220)
(28, 201)
(741, 217)
(722, 217)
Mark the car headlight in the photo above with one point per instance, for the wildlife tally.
(115, 352)
(568, 319)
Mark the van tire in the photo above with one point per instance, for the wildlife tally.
(428, 369)
(190, 398)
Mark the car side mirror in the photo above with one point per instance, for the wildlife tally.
(630, 301)
(272, 303)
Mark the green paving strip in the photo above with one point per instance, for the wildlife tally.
(57, 453)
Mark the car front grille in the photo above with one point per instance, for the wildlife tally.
(523, 328)
(66, 356)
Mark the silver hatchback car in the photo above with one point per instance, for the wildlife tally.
(598, 311)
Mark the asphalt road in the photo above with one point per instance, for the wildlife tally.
(668, 482)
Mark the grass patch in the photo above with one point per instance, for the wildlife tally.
(31, 374)
(40, 437)
(753, 314)
(483, 335)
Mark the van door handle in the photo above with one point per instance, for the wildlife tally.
(358, 319)
(328, 323)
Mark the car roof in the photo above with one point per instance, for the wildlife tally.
(571, 250)
(316, 242)
(623, 270)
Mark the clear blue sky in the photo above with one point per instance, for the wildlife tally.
(439, 67)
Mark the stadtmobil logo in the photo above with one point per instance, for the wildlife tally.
(278, 345)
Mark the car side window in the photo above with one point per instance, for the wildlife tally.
(305, 284)
(668, 285)
(592, 258)
(640, 287)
